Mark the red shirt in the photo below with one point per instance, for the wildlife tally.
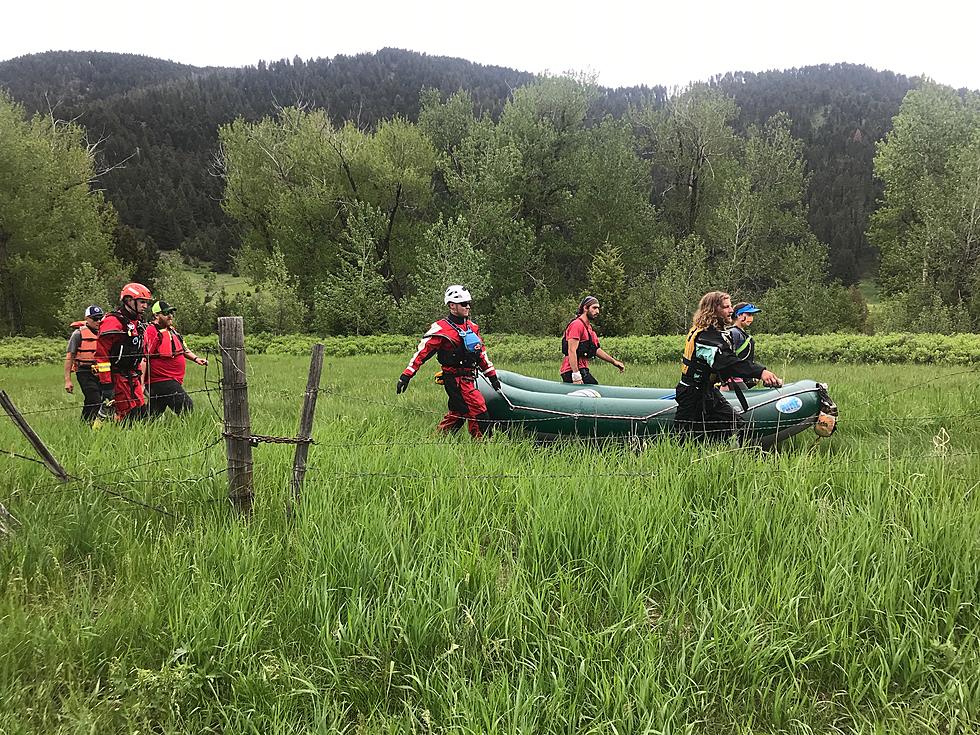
(164, 355)
(578, 330)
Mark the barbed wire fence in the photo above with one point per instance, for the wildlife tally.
(237, 434)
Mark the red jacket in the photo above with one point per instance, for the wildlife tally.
(444, 339)
(119, 348)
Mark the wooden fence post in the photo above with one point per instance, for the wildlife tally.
(238, 429)
(49, 461)
(8, 524)
(306, 423)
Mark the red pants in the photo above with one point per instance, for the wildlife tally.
(128, 393)
(466, 405)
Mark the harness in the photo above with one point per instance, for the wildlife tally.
(587, 348)
(126, 356)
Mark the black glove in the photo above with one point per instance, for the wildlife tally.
(107, 393)
(108, 396)
(494, 382)
(402, 384)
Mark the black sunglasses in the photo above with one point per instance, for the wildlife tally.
(96, 318)
(463, 303)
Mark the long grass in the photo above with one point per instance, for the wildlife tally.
(435, 584)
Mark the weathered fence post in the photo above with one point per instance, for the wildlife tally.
(8, 524)
(238, 429)
(306, 424)
(49, 461)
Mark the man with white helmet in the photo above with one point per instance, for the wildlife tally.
(456, 342)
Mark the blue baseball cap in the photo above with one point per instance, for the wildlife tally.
(746, 309)
(94, 311)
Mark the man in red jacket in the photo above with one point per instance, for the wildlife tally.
(457, 343)
(166, 362)
(119, 355)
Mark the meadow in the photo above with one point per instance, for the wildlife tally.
(436, 584)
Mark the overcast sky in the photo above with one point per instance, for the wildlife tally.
(624, 43)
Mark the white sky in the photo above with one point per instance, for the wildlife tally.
(625, 43)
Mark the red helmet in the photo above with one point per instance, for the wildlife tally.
(136, 291)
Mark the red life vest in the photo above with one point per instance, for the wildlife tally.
(172, 347)
(85, 356)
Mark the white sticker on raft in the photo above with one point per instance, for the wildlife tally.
(789, 404)
(586, 393)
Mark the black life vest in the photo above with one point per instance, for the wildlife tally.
(128, 352)
(586, 348)
(696, 365)
(458, 355)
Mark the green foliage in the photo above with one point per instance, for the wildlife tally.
(278, 307)
(921, 309)
(607, 282)
(446, 257)
(927, 227)
(539, 313)
(174, 285)
(291, 182)
(691, 143)
(665, 303)
(355, 299)
(50, 218)
(87, 286)
(775, 349)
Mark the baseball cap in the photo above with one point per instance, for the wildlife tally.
(162, 307)
(746, 309)
(94, 311)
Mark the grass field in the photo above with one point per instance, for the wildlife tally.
(434, 584)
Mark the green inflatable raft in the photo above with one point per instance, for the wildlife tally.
(553, 408)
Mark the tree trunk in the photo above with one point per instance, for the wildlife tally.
(384, 249)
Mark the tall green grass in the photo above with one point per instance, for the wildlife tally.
(435, 584)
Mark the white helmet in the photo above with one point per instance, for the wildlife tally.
(457, 294)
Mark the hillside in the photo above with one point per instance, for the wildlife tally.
(166, 115)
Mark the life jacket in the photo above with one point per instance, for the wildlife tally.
(465, 353)
(746, 350)
(85, 355)
(697, 363)
(586, 348)
(128, 352)
(173, 347)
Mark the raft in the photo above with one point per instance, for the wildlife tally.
(554, 409)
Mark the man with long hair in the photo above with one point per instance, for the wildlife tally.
(702, 411)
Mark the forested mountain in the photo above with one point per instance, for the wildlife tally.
(839, 112)
(163, 119)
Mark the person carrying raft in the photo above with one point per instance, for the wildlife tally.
(709, 358)
(457, 343)
(580, 343)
